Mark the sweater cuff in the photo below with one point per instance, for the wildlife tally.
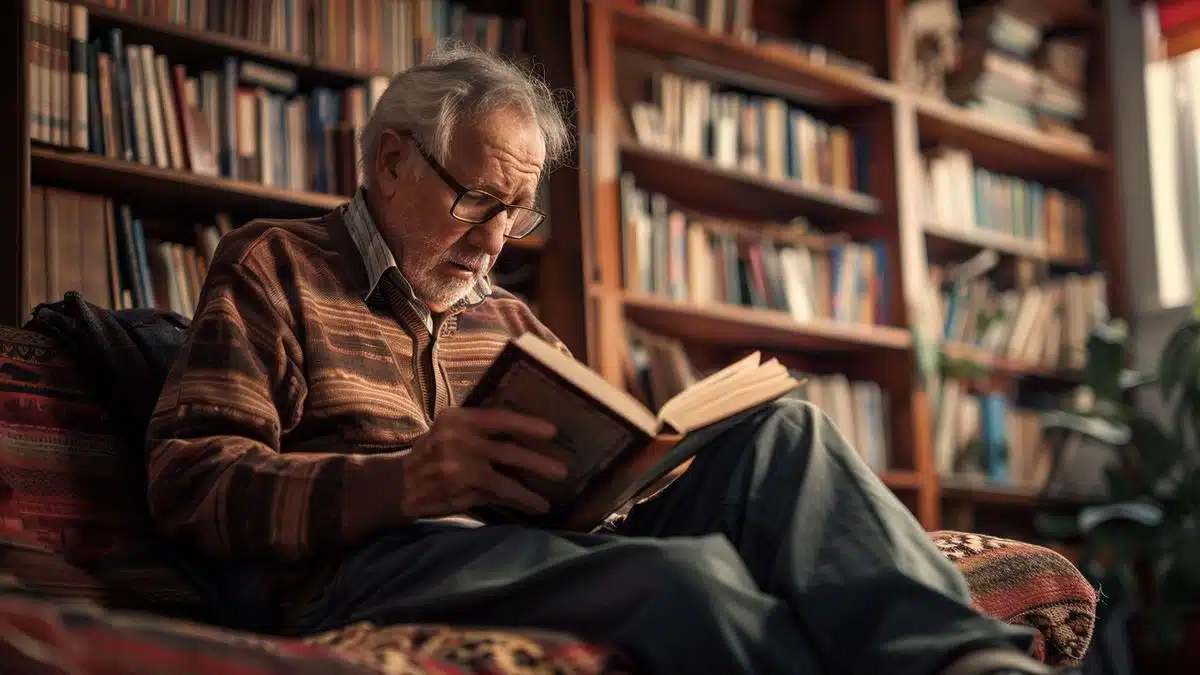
(373, 494)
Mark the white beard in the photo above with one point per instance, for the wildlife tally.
(433, 290)
(441, 292)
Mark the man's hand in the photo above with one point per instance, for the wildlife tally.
(453, 467)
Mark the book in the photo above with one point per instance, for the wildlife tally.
(616, 450)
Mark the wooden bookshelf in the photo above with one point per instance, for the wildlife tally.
(959, 242)
(166, 191)
(713, 188)
(1005, 368)
(133, 181)
(979, 491)
(1004, 146)
(636, 28)
(182, 41)
(900, 124)
(731, 324)
(208, 49)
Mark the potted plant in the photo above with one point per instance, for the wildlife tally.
(1141, 543)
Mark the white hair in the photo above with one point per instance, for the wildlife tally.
(460, 83)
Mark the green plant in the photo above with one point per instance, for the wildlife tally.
(1142, 544)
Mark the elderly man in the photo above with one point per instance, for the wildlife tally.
(308, 434)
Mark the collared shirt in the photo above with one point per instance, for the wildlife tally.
(378, 258)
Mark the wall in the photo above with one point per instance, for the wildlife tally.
(1151, 323)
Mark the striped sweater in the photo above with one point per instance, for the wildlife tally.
(277, 433)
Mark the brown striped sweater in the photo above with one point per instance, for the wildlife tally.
(277, 434)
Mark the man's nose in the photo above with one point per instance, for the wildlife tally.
(489, 237)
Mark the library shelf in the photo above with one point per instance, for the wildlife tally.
(942, 241)
(742, 62)
(169, 188)
(981, 491)
(1002, 367)
(732, 325)
(202, 48)
(1003, 146)
(345, 71)
(901, 479)
(183, 41)
(715, 190)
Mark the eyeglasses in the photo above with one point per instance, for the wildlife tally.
(475, 206)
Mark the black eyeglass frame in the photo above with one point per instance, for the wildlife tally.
(461, 191)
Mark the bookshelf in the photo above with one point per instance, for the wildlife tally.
(167, 192)
(632, 40)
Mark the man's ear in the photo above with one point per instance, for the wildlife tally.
(393, 156)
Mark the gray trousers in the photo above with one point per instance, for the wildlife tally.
(778, 551)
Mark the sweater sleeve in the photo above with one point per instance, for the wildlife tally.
(217, 477)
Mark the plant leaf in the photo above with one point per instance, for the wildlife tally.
(1105, 361)
(1186, 369)
(962, 368)
(1110, 432)
(1141, 512)
(1168, 361)
(1133, 379)
(1157, 452)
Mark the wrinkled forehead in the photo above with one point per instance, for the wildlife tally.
(505, 147)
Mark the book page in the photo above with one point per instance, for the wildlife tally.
(702, 389)
(750, 393)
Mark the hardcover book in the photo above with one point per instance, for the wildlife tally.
(616, 450)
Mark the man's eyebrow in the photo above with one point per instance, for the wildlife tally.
(494, 189)
(524, 196)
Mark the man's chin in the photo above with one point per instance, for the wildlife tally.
(443, 293)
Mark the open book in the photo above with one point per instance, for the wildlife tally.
(615, 449)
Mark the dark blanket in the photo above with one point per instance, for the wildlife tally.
(126, 355)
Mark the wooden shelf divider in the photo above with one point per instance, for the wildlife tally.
(1004, 146)
(165, 35)
(715, 187)
(154, 185)
(734, 325)
(941, 238)
(979, 491)
(648, 32)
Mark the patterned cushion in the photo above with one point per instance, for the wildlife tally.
(80, 638)
(68, 521)
(1029, 585)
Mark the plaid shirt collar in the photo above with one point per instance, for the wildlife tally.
(378, 258)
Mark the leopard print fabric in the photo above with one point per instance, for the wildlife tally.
(403, 650)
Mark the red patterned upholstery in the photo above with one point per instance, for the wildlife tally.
(79, 638)
(69, 530)
(66, 507)
(1028, 585)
